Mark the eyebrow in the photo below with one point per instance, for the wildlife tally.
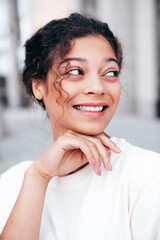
(73, 59)
(110, 60)
(106, 60)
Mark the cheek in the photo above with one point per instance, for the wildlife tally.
(70, 87)
(50, 100)
(71, 90)
(118, 91)
(115, 91)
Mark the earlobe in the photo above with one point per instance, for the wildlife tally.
(38, 89)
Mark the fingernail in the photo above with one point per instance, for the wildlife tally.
(118, 149)
(109, 167)
(93, 162)
(99, 172)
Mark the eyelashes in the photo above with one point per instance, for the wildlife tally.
(77, 72)
(112, 74)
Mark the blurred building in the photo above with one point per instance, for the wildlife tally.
(136, 23)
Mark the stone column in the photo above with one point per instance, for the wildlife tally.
(145, 57)
(13, 85)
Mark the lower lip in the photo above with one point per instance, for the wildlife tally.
(92, 114)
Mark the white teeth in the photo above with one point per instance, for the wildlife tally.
(89, 109)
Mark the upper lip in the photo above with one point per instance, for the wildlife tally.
(92, 104)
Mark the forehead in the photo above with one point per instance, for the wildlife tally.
(89, 49)
(91, 43)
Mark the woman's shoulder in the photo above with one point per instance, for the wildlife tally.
(134, 155)
(137, 172)
(17, 169)
(14, 175)
(137, 166)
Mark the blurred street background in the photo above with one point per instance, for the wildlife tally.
(24, 128)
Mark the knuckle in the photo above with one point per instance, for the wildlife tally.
(89, 155)
(92, 144)
(99, 141)
(83, 143)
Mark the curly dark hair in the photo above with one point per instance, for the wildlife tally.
(54, 40)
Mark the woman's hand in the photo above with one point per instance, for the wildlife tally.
(72, 150)
(68, 153)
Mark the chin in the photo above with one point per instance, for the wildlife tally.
(89, 131)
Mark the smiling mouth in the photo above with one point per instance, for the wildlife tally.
(90, 108)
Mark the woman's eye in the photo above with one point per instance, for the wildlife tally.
(74, 72)
(112, 74)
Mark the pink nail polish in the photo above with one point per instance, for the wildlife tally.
(99, 172)
(109, 167)
(93, 162)
(118, 149)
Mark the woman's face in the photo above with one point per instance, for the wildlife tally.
(91, 79)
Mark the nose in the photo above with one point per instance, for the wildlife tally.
(94, 85)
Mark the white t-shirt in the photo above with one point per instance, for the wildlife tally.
(120, 205)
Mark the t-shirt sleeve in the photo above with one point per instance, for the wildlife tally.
(10, 185)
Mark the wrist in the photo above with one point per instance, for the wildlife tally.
(35, 172)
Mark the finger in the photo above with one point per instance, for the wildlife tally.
(96, 161)
(90, 152)
(100, 149)
(108, 143)
(103, 153)
(106, 162)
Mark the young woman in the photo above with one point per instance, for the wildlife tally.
(86, 185)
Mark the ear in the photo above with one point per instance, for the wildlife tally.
(38, 89)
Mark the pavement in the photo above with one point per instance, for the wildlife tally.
(27, 133)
